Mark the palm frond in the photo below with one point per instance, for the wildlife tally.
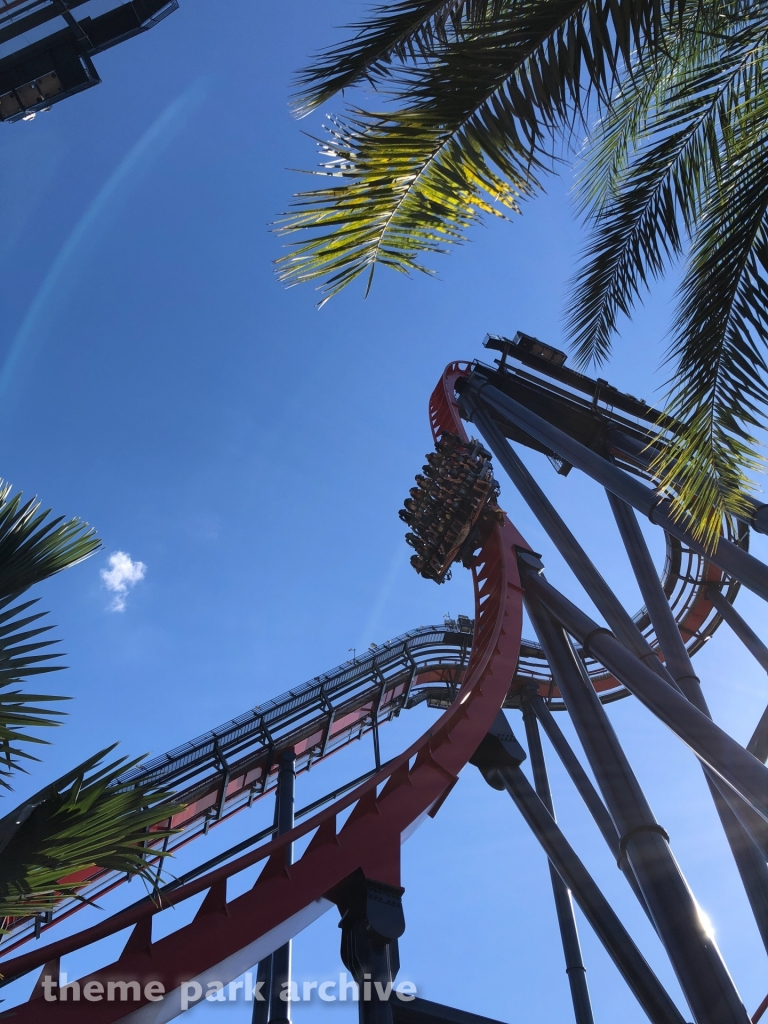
(469, 130)
(33, 547)
(417, 195)
(83, 820)
(720, 386)
(20, 656)
(407, 30)
(646, 195)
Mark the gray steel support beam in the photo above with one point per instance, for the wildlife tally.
(263, 979)
(703, 976)
(579, 777)
(586, 790)
(505, 773)
(371, 923)
(743, 773)
(575, 556)
(755, 516)
(758, 744)
(727, 555)
(678, 671)
(742, 629)
(566, 919)
(750, 858)
(676, 656)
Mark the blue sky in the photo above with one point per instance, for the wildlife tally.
(252, 452)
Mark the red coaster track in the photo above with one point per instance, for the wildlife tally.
(227, 938)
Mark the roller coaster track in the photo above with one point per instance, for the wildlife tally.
(228, 937)
(229, 768)
(358, 830)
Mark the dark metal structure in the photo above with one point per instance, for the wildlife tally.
(58, 43)
(470, 670)
(228, 769)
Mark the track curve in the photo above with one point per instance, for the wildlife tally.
(228, 937)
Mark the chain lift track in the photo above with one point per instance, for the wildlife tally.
(574, 664)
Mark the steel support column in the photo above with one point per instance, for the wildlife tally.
(579, 777)
(585, 789)
(703, 976)
(264, 989)
(566, 919)
(750, 859)
(575, 556)
(743, 773)
(626, 630)
(279, 1008)
(742, 629)
(727, 555)
(498, 757)
(758, 744)
(371, 923)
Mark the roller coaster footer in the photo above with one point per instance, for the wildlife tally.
(372, 921)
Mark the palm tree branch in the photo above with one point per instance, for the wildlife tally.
(416, 178)
(33, 548)
(637, 229)
(718, 348)
(417, 193)
(407, 30)
(19, 710)
(467, 140)
(85, 819)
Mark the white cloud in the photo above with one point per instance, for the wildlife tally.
(122, 574)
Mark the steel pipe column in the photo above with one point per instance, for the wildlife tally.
(743, 773)
(498, 757)
(703, 976)
(571, 763)
(750, 859)
(575, 556)
(742, 629)
(263, 988)
(751, 866)
(585, 789)
(371, 923)
(574, 963)
(727, 555)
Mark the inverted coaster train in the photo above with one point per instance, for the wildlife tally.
(471, 671)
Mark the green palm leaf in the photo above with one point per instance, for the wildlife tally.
(408, 30)
(83, 820)
(483, 97)
(692, 168)
(721, 389)
(418, 195)
(19, 711)
(469, 130)
(32, 547)
(645, 184)
(88, 818)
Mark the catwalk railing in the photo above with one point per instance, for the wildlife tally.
(229, 936)
(225, 770)
(647, 655)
